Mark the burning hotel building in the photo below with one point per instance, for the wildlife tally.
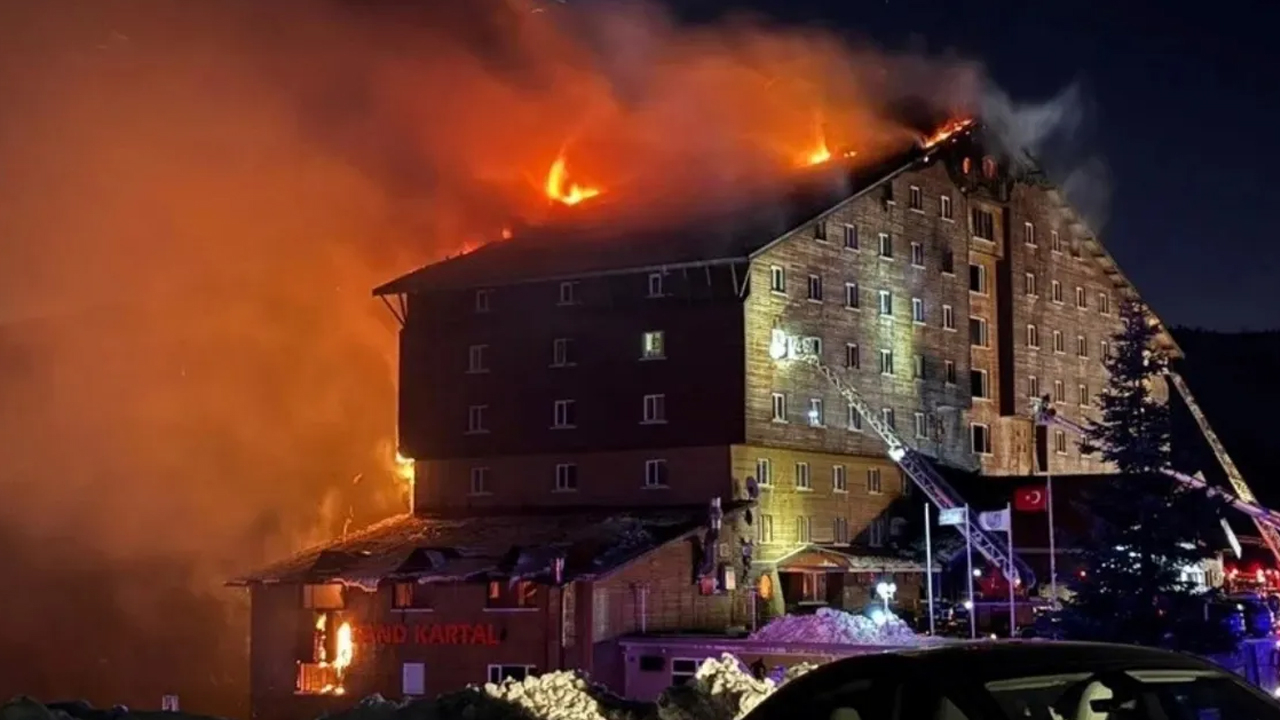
(607, 444)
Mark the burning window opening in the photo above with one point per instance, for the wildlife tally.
(331, 657)
(948, 130)
(560, 189)
(404, 468)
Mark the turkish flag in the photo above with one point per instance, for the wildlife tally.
(1033, 498)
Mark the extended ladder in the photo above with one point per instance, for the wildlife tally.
(916, 466)
(1266, 520)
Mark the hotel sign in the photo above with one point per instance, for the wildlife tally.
(432, 634)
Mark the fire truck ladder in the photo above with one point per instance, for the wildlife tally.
(1266, 520)
(917, 467)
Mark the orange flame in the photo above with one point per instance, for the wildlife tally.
(560, 189)
(404, 468)
(947, 131)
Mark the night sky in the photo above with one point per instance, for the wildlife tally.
(1185, 107)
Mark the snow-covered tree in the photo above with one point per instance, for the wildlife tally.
(1148, 529)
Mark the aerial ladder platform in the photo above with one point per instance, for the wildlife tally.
(913, 463)
(1266, 520)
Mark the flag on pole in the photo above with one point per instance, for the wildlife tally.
(952, 516)
(994, 521)
(1033, 498)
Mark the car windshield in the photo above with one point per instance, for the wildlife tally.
(1132, 695)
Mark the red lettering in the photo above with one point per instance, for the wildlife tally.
(451, 633)
(436, 637)
(383, 634)
(479, 636)
(493, 635)
(401, 634)
(420, 634)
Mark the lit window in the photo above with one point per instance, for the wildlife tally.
(917, 254)
(323, 596)
(886, 245)
(653, 345)
(886, 361)
(815, 288)
(816, 416)
(482, 300)
(655, 473)
(655, 409)
(839, 480)
(851, 299)
(477, 415)
(566, 477)
(779, 407)
(915, 198)
(917, 310)
(874, 484)
(480, 481)
(478, 359)
(852, 356)
(803, 481)
(568, 293)
(948, 317)
(565, 414)
(980, 438)
(777, 279)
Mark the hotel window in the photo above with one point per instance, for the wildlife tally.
(816, 417)
(803, 481)
(944, 207)
(839, 480)
(482, 300)
(1082, 347)
(564, 414)
(921, 426)
(815, 288)
(980, 438)
(852, 356)
(1059, 392)
(889, 417)
(655, 285)
(948, 317)
(1033, 386)
(820, 231)
(1029, 285)
(779, 407)
(917, 367)
(506, 595)
(411, 596)
(886, 361)
(1104, 303)
(413, 679)
(1029, 234)
(1060, 442)
(948, 262)
(978, 332)
(886, 302)
(803, 529)
(875, 485)
(915, 198)
(917, 310)
(1059, 344)
(851, 299)
(1082, 395)
(1081, 300)
(498, 673)
(566, 477)
(840, 530)
(653, 345)
(655, 473)
(949, 371)
(765, 531)
(568, 293)
(917, 254)
(1055, 241)
(323, 596)
(1104, 350)
(978, 384)
(683, 670)
(480, 481)
(851, 237)
(984, 224)
(1033, 336)
(978, 279)
(478, 359)
(777, 279)
(655, 409)
(875, 533)
(853, 418)
(764, 472)
(1056, 288)
(886, 245)
(562, 352)
(476, 419)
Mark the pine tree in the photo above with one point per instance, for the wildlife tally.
(1147, 527)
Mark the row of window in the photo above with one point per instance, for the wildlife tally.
(804, 530)
(1060, 343)
(653, 346)
(1059, 394)
(839, 478)
(522, 595)
(564, 414)
(566, 477)
(569, 295)
(1031, 288)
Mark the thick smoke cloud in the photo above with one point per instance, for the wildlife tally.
(195, 200)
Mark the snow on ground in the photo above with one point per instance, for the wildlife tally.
(840, 628)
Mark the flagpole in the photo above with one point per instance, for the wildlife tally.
(968, 551)
(928, 565)
(1053, 554)
(1013, 618)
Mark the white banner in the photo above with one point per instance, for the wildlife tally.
(994, 521)
(951, 516)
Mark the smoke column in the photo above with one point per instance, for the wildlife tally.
(195, 200)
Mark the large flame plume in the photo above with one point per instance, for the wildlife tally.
(196, 200)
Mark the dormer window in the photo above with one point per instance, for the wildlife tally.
(989, 168)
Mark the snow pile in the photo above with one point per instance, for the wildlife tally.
(722, 690)
(837, 627)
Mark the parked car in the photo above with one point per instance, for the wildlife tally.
(1259, 620)
(1014, 679)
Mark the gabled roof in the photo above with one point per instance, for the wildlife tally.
(591, 543)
